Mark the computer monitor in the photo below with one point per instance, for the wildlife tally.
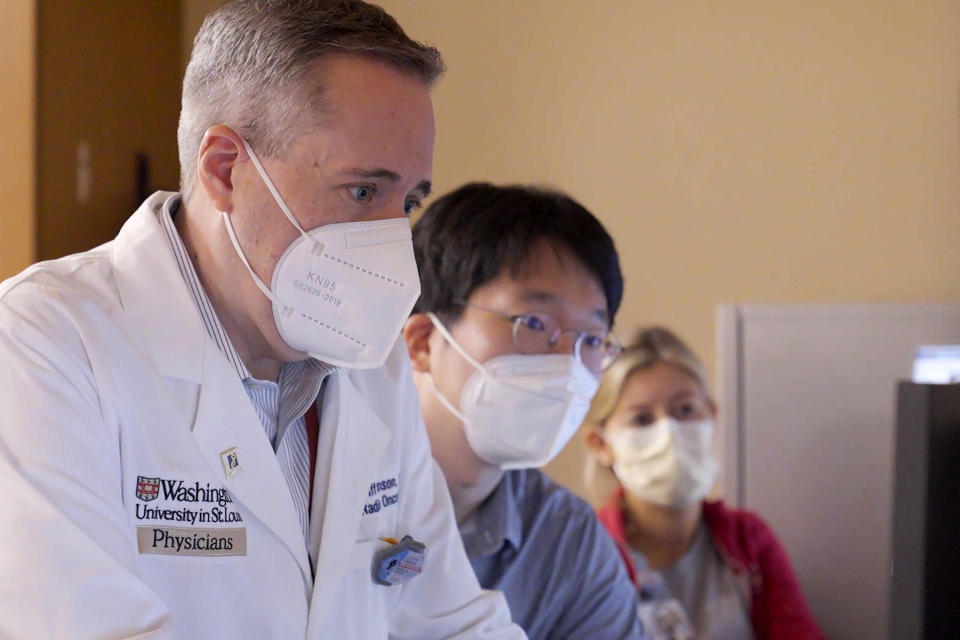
(925, 568)
(937, 364)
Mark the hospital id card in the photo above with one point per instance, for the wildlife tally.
(399, 562)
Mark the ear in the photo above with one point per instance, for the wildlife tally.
(220, 150)
(597, 445)
(416, 333)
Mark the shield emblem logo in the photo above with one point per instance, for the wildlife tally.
(147, 488)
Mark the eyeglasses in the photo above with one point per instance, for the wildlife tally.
(537, 332)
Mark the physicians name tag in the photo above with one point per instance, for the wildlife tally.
(183, 541)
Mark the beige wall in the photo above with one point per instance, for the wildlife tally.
(17, 124)
(740, 151)
(744, 151)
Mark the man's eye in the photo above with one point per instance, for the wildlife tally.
(361, 192)
(410, 206)
(534, 323)
(592, 341)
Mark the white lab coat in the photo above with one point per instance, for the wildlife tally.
(107, 376)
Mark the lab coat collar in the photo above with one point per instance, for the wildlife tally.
(155, 299)
(352, 442)
(225, 420)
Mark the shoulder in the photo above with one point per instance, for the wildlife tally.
(743, 521)
(610, 515)
(588, 580)
(536, 488)
(560, 523)
(55, 319)
(555, 510)
(79, 277)
(55, 300)
(740, 532)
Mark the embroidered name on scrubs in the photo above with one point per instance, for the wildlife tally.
(386, 494)
(190, 541)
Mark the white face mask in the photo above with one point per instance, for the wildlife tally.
(518, 411)
(669, 463)
(341, 292)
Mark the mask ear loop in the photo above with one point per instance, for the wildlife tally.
(287, 310)
(446, 403)
(466, 356)
(317, 246)
(453, 343)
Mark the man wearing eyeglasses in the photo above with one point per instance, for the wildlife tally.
(520, 286)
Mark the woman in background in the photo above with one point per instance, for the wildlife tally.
(703, 570)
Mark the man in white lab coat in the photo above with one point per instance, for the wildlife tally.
(207, 427)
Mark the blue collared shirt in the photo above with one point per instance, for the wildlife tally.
(559, 570)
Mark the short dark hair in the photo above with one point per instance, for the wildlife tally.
(469, 236)
(250, 58)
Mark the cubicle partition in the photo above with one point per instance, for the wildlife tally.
(807, 395)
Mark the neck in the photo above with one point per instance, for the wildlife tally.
(662, 534)
(467, 497)
(244, 335)
(470, 479)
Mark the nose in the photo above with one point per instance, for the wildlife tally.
(563, 343)
(388, 209)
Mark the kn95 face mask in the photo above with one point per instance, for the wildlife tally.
(519, 411)
(340, 292)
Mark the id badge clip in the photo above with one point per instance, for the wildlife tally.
(399, 562)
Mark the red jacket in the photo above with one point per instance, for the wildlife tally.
(778, 610)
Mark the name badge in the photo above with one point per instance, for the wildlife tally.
(190, 541)
(399, 562)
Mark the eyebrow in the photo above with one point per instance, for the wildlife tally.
(424, 186)
(680, 395)
(537, 295)
(683, 395)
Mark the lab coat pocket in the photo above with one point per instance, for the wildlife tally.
(378, 603)
(361, 557)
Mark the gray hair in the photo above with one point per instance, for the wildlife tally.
(250, 58)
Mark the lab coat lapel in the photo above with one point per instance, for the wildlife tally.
(226, 419)
(158, 304)
(353, 440)
(158, 307)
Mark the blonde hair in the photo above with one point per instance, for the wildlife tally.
(650, 346)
